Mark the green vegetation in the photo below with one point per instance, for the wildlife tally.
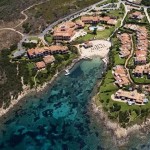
(148, 10)
(53, 10)
(23, 71)
(27, 27)
(48, 38)
(107, 2)
(143, 21)
(118, 111)
(11, 84)
(142, 80)
(29, 45)
(105, 34)
(145, 2)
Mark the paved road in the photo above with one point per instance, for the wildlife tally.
(122, 21)
(146, 13)
(69, 17)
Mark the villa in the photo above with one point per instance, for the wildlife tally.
(79, 24)
(112, 22)
(133, 96)
(90, 19)
(141, 45)
(48, 59)
(97, 19)
(44, 51)
(137, 15)
(40, 65)
(64, 31)
(141, 60)
(141, 70)
(126, 44)
(120, 76)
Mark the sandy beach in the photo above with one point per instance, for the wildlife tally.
(99, 48)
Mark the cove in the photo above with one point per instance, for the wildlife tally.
(58, 119)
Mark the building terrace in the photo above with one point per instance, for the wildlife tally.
(120, 76)
(131, 96)
(97, 19)
(67, 30)
(141, 70)
(142, 43)
(137, 15)
(126, 44)
(43, 51)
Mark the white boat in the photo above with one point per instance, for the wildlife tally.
(67, 72)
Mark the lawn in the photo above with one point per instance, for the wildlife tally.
(48, 38)
(143, 80)
(85, 38)
(105, 34)
(118, 60)
(132, 114)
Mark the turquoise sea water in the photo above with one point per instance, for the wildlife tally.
(59, 119)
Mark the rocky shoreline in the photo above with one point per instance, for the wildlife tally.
(120, 135)
(34, 91)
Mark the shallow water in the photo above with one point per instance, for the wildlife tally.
(59, 119)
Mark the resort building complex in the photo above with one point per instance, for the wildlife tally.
(131, 97)
(44, 51)
(120, 76)
(126, 44)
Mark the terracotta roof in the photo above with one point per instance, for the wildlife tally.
(48, 59)
(58, 48)
(140, 53)
(66, 29)
(112, 21)
(40, 65)
(137, 13)
(31, 52)
(79, 23)
(131, 95)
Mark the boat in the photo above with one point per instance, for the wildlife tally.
(67, 72)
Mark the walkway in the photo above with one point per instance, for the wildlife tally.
(146, 13)
(126, 63)
(121, 24)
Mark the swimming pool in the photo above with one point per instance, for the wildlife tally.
(99, 28)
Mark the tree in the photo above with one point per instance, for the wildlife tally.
(95, 31)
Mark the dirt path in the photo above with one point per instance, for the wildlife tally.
(12, 29)
(26, 17)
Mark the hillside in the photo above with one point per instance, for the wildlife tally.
(38, 16)
(10, 16)
(146, 2)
